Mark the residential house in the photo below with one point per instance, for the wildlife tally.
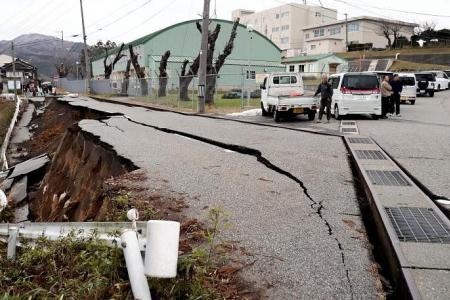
(313, 64)
(331, 37)
(283, 24)
(24, 73)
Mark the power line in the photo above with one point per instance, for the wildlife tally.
(146, 20)
(119, 18)
(405, 11)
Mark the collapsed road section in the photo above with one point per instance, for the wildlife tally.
(290, 195)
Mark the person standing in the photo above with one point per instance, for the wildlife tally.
(397, 88)
(386, 92)
(326, 92)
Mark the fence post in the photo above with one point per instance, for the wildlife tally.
(12, 241)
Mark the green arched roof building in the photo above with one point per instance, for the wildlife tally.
(252, 51)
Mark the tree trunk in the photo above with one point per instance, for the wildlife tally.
(163, 74)
(185, 81)
(162, 86)
(210, 88)
(126, 79)
(140, 74)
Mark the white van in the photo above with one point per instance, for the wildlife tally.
(408, 81)
(355, 93)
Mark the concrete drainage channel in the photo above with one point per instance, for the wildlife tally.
(414, 232)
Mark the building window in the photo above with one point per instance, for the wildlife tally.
(301, 68)
(284, 40)
(277, 16)
(313, 47)
(292, 68)
(318, 14)
(251, 75)
(307, 36)
(285, 14)
(275, 29)
(353, 27)
(335, 30)
(319, 32)
(284, 27)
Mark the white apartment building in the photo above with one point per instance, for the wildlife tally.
(283, 24)
(330, 37)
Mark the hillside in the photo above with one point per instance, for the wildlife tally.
(43, 51)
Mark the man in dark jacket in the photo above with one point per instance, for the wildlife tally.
(397, 88)
(326, 92)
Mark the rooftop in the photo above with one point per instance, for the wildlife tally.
(367, 18)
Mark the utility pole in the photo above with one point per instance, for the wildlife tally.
(86, 57)
(203, 58)
(346, 33)
(14, 69)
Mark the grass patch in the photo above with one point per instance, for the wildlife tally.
(220, 105)
(401, 65)
(69, 268)
(391, 53)
(7, 109)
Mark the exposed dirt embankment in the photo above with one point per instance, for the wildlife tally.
(72, 187)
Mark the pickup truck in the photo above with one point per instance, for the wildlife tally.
(282, 95)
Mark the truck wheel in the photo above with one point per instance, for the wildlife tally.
(431, 94)
(263, 111)
(412, 102)
(276, 115)
(336, 113)
(375, 117)
(439, 87)
(311, 115)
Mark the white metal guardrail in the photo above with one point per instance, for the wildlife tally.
(5, 144)
(159, 240)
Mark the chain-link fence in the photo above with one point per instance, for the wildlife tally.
(225, 92)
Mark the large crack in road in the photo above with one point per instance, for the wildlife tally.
(316, 206)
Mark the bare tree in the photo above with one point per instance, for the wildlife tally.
(109, 67)
(384, 29)
(126, 78)
(163, 74)
(220, 61)
(139, 71)
(212, 68)
(187, 75)
(62, 70)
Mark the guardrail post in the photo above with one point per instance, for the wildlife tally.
(135, 265)
(12, 241)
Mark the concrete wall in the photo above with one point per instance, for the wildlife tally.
(325, 46)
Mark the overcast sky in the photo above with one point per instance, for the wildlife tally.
(126, 20)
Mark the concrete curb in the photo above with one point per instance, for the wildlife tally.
(414, 257)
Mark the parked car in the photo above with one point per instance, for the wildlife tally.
(255, 94)
(233, 94)
(442, 80)
(356, 93)
(425, 83)
(408, 81)
(282, 96)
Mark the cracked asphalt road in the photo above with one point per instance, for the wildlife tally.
(290, 194)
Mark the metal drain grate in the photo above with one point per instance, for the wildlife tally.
(348, 123)
(350, 129)
(370, 154)
(418, 224)
(360, 140)
(392, 178)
